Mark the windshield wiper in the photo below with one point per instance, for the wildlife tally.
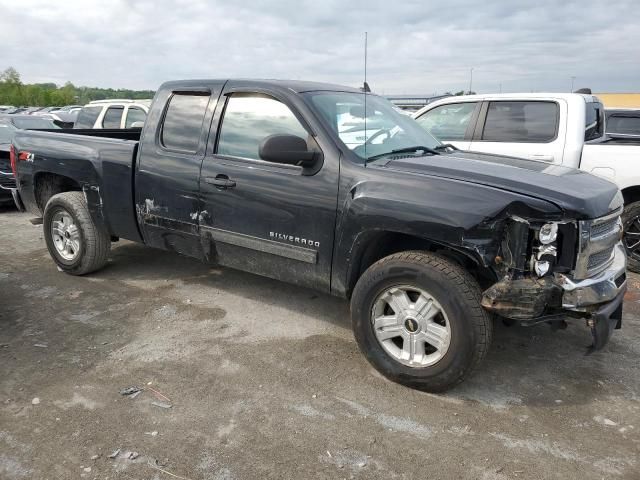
(417, 148)
(445, 147)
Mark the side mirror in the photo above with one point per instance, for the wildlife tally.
(288, 149)
(137, 125)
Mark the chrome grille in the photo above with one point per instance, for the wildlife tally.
(604, 228)
(597, 239)
(600, 258)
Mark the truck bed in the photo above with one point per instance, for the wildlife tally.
(100, 162)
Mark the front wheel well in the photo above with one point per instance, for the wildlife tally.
(631, 194)
(379, 245)
(46, 185)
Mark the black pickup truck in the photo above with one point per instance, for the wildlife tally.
(328, 187)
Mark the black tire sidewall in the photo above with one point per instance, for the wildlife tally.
(54, 206)
(630, 212)
(460, 354)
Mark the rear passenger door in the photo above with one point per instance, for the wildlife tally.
(451, 123)
(168, 168)
(521, 128)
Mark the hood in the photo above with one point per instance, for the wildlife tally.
(574, 191)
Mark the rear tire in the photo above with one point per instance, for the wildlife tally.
(75, 242)
(631, 239)
(434, 307)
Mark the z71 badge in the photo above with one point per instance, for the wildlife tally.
(293, 239)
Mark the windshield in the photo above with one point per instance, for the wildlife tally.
(33, 123)
(6, 133)
(379, 131)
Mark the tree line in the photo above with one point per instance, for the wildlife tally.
(14, 92)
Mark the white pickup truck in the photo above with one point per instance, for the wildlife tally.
(557, 128)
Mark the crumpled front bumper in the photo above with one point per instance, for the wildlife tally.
(580, 295)
(605, 320)
(598, 299)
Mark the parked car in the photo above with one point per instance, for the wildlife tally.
(623, 124)
(426, 241)
(7, 179)
(557, 129)
(113, 114)
(60, 119)
(70, 108)
(9, 125)
(28, 122)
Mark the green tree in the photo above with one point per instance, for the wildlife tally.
(14, 92)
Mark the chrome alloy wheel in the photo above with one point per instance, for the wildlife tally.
(631, 238)
(66, 235)
(411, 326)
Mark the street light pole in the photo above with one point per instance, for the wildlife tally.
(573, 79)
(470, 80)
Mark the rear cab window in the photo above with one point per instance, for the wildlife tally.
(624, 124)
(521, 122)
(182, 125)
(112, 117)
(87, 117)
(135, 114)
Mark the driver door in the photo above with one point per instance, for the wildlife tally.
(268, 218)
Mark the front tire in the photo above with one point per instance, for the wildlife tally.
(631, 238)
(75, 242)
(417, 318)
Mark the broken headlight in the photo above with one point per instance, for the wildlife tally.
(548, 233)
(545, 253)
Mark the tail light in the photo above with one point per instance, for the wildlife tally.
(20, 157)
(12, 159)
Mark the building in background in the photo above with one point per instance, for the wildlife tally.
(620, 100)
(413, 102)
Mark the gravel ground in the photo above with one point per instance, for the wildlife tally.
(265, 380)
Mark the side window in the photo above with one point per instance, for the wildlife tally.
(112, 117)
(87, 117)
(594, 121)
(527, 122)
(623, 125)
(249, 118)
(134, 114)
(448, 122)
(182, 124)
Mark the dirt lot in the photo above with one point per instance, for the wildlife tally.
(265, 381)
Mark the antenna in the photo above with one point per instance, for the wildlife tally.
(365, 88)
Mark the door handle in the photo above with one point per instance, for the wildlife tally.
(542, 156)
(221, 182)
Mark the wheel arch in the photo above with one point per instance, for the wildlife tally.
(375, 245)
(631, 194)
(46, 185)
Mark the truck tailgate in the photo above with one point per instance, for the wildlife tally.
(102, 167)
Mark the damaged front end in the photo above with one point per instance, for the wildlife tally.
(551, 271)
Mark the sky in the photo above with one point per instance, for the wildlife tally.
(414, 47)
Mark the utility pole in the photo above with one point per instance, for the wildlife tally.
(470, 80)
(573, 79)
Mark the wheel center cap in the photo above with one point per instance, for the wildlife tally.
(411, 325)
(66, 234)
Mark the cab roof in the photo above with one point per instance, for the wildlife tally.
(297, 86)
